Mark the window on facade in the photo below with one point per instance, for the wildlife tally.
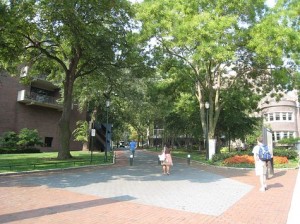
(48, 141)
(291, 134)
(277, 136)
(273, 137)
(266, 117)
(289, 116)
(277, 116)
(284, 116)
(271, 117)
(285, 134)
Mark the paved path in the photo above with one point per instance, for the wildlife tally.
(142, 194)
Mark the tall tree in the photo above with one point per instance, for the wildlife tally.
(207, 43)
(67, 40)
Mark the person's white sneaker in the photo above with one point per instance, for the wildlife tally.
(262, 189)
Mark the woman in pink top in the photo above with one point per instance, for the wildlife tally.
(168, 160)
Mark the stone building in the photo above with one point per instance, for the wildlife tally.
(282, 117)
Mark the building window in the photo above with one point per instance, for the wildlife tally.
(285, 134)
(289, 116)
(277, 136)
(48, 141)
(277, 116)
(284, 116)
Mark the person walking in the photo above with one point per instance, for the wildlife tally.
(132, 146)
(260, 166)
(168, 160)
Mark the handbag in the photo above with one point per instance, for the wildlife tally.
(162, 157)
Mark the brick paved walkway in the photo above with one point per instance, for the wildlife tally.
(141, 194)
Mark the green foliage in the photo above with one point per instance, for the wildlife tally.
(289, 153)
(24, 142)
(289, 140)
(78, 44)
(81, 133)
(205, 45)
(9, 139)
(28, 138)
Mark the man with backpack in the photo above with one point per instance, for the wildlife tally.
(261, 155)
(132, 146)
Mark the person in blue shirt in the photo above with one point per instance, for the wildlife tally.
(132, 146)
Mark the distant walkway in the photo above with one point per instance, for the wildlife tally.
(142, 194)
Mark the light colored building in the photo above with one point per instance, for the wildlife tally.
(282, 117)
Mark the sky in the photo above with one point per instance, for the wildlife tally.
(271, 3)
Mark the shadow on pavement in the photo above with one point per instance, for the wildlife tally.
(12, 217)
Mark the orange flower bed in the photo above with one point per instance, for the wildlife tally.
(239, 159)
(280, 160)
(250, 160)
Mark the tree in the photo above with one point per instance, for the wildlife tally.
(67, 40)
(207, 42)
(276, 40)
(81, 133)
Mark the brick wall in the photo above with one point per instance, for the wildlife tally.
(15, 115)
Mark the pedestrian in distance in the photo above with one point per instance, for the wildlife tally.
(132, 146)
(260, 166)
(168, 160)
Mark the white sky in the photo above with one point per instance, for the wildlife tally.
(271, 3)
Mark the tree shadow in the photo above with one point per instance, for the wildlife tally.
(16, 216)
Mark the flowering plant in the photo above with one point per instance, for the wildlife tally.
(237, 159)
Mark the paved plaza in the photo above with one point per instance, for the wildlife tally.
(140, 193)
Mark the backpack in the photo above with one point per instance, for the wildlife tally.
(264, 153)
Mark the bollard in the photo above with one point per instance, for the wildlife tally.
(188, 159)
(114, 158)
(131, 160)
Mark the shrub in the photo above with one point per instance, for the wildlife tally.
(29, 138)
(288, 153)
(9, 140)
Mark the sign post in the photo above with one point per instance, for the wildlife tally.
(93, 134)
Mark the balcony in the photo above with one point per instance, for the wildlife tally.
(38, 100)
(39, 81)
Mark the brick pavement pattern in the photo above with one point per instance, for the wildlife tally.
(140, 194)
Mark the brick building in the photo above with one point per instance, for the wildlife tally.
(34, 106)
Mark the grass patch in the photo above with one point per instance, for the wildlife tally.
(48, 160)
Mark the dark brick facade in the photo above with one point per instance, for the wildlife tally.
(16, 115)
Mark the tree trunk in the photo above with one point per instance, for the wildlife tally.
(64, 122)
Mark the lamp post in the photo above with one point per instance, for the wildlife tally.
(106, 132)
(207, 143)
